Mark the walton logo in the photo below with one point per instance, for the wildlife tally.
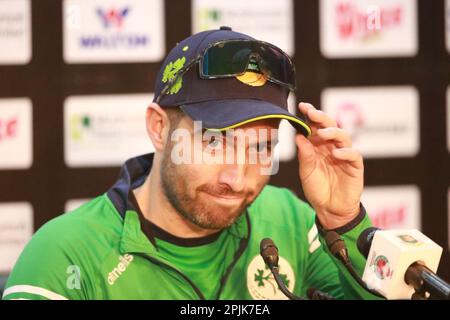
(367, 22)
(8, 128)
(112, 17)
(125, 261)
(113, 36)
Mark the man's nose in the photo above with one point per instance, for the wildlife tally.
(234, 176)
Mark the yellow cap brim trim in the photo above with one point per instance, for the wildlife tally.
(268, 116)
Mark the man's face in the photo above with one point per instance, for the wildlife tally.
(214, 196)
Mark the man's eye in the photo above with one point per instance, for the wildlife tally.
(264, 147)
(214, 143)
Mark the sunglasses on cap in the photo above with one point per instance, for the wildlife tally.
(231, 58)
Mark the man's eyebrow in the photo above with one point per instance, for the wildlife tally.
(201, 130)
(213, 132)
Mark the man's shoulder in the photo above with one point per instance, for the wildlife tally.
(95, 222)
(73, 244)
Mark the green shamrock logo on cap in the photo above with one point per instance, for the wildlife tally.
(170, 72)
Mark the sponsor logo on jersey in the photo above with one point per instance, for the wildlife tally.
(124, 262)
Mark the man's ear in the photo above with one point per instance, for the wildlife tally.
(157, 123)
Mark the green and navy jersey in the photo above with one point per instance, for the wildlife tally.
(106, 250)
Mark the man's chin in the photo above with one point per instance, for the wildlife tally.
(216, 225)
(220, 218)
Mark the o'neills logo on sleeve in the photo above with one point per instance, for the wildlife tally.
(125, 261)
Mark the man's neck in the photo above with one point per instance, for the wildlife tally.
(157, 209)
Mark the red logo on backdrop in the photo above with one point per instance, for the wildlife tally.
(8, 128)
(388, 217)
(350, 118)
(363, 23)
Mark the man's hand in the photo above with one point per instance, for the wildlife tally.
(331, 171)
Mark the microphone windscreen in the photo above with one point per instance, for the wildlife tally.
(269, 252)
(364, 241)
(266, 243)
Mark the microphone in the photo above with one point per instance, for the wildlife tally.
(337, 247)
(401, 264)
(364, 241)
(269, 253)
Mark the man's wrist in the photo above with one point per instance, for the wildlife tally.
(341, 226)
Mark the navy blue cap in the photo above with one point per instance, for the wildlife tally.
(222, 103)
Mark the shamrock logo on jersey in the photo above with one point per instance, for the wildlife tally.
(263, 277)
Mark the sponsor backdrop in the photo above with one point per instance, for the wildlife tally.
(76, 77)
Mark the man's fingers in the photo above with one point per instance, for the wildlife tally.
(306, 156)
(341, 137)
(305, 148)
(317, 116)
(321, 118)
(304, 107)
(351, 155)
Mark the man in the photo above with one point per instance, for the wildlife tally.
(175, 226)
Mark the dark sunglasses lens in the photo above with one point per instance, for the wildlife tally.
(226, 58)
(276, 64)
(235, 57)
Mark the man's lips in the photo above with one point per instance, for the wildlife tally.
(227, 199)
